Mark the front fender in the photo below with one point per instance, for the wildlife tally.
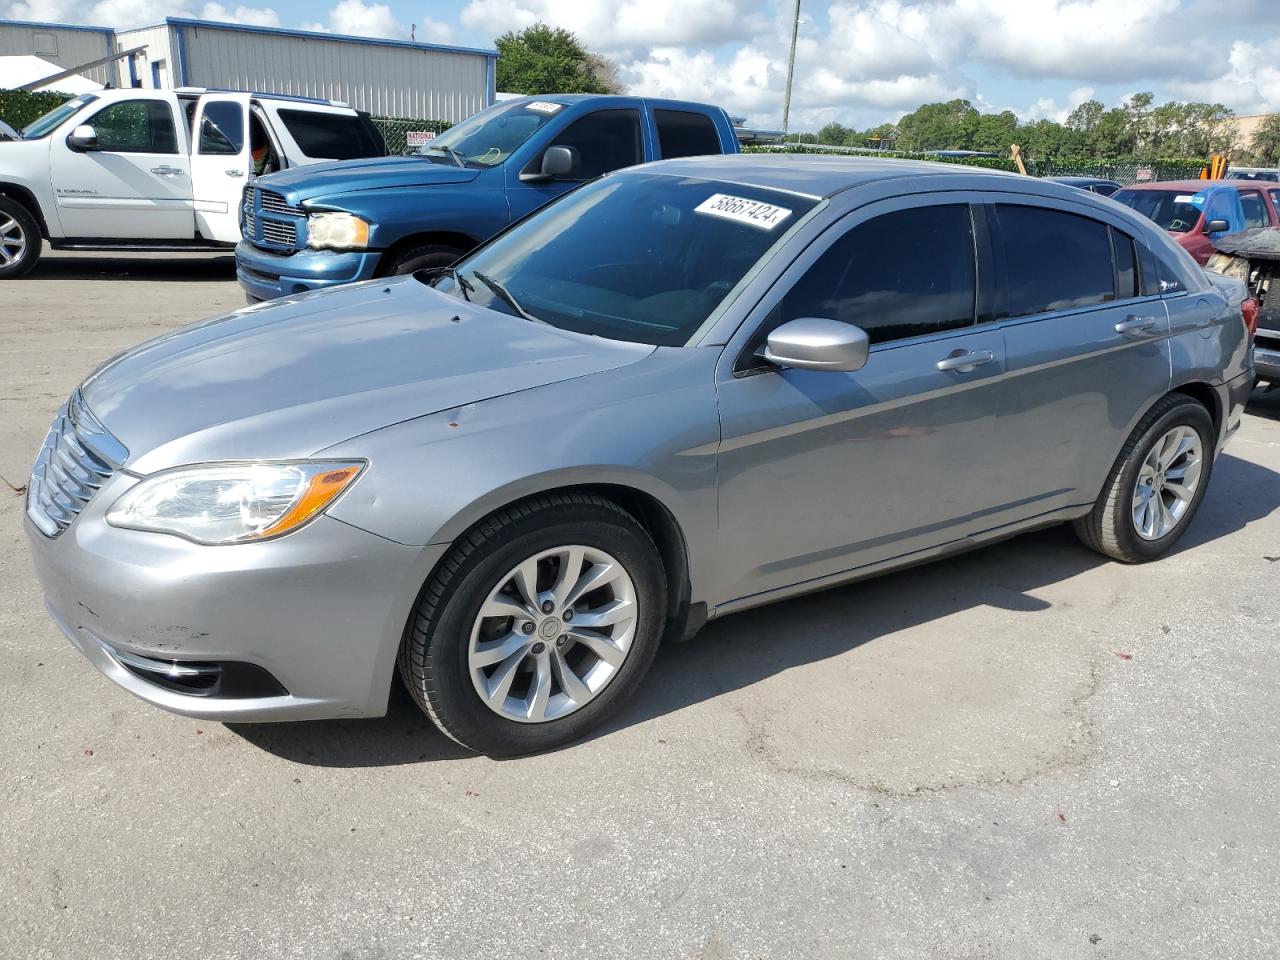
(476, 210)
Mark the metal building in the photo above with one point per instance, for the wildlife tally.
(387, 78)
(67, 46)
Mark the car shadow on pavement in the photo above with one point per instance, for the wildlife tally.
(137, 266)
(1265, 403)
(740, 650)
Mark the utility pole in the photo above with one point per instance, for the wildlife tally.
(791, 69)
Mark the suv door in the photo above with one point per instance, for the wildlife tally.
(135, 184)
(1087, 351)
(822, 472)
(220, 163)
(602, 141)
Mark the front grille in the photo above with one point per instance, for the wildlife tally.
(77, 458)
(274, 203)
(283, 234)
(246, 206)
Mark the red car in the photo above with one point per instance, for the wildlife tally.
(1187, 208)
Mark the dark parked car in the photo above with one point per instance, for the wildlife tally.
(1098, 185)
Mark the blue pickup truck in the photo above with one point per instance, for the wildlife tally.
(326, 224)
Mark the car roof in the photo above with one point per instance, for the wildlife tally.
(819, 175)
(1075, 180)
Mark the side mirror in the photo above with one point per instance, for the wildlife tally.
(557, 161)
(83, 137)
(1216, 226)
(815, 343)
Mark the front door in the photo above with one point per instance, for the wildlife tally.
(136, 184)
(822, 472)
(220, 163)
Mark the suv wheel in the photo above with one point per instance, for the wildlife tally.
(1156, 484)
(537, 626)
(20, 241)
(429, 256)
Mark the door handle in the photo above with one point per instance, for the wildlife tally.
(168, 171)
(1132, 324)
(964, 362)
(233, 172)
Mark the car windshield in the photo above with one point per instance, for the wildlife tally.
(490, 136)
(642, 257)
(1174, 210)
(54, 118)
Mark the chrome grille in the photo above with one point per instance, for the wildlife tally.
(77, 458)
(246, 206)
(274, 203)
(284, 234)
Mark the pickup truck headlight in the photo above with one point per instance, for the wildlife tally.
(336, 231)
(233, 502)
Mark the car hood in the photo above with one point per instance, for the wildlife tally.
(289, 377)
(376, 173)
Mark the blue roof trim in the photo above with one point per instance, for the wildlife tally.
(316, 35)
(57, 26)
(181, 37)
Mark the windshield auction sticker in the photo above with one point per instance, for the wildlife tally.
(756, 213)
(543, 106)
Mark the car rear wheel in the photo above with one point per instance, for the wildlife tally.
(20, 241)
(539, 624)
(1156, 484)
(429, 256)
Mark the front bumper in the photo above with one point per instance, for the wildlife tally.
(265, 275)
(322, 611)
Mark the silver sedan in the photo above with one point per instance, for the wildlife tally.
(682, 390)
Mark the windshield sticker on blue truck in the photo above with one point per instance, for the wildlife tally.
(1197, 199)
(543, 106)
(756, 213)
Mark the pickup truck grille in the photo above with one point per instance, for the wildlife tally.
(77, 458)
(271, 223)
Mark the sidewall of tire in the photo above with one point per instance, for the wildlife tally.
(35, 242)
(423, 258)
(1191, 414)
(451, 697)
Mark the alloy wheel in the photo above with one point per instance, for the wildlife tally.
(552, 634)
(13, 241)
(1167, 483)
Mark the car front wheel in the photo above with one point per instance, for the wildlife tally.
(539, 624)
(20, 241)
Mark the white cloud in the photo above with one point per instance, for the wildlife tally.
(366, 20)
(253, 16)
(1250, 84)
(435, 31)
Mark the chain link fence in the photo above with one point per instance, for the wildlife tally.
(396, 130)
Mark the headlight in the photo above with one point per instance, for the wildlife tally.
(339, 231)
(233, 502)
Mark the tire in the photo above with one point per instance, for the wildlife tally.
(447, 633)
(426, 257)
(1112, 527)
(20, 240)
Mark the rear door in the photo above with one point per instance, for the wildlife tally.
(1087, 350)
(1255, 209)
(220, 163)
(137, 183)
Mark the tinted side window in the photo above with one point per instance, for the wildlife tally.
(1275, 198)
(902, 274)
(605, 140)
(1158, 273)
(330, 136)
(1255, 215)
(1053, 260)
(684, 134)
(1126, 265)
(136, 126)
(222, 129)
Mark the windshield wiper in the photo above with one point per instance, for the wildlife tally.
(452, 154)
(505, 296)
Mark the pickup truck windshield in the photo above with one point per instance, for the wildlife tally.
(642, 257)
(489, 137)
(1174, 210)
(43, 126)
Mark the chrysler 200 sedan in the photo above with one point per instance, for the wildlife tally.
(680, 391)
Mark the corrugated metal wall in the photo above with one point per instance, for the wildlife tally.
(61, 45)
(384, 79)
(156, 40)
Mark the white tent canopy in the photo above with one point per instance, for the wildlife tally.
(18, 70)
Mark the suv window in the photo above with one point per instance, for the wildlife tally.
(685, 134)
(902, 274)
(1255, 215)
(1053, 260)
(222, 128)
(330, 136)
(605, 140)
(136, 126)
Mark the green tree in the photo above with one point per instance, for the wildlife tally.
(995, 131)
(834, 134)
(1266, 141)
(543, 59)
(939, 126)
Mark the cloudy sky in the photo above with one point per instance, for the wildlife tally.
(858, 61)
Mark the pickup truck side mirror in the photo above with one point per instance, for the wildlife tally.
(557, 161)
(1216, 226)
(82, 138)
